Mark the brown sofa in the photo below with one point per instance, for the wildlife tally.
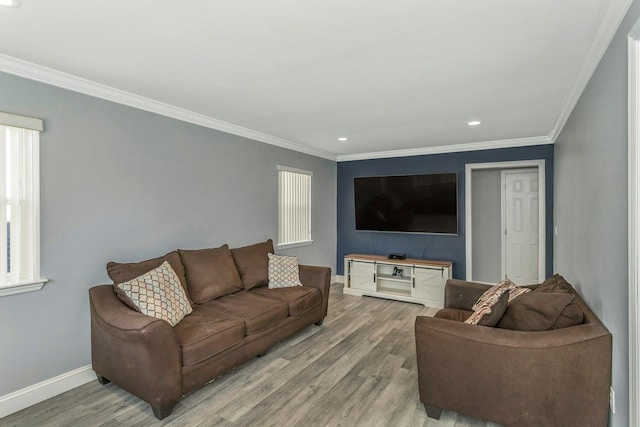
(230, 323)
(556, 377)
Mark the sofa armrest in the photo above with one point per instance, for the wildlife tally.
(507, 376)
(139, 353)
(461, 294)
(320, 278)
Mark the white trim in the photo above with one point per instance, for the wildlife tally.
(456, 148)
(610, 22)
(540, 164)
(22, 287)
(634, 224)
(15, 120)
(57, 78)
(294, 244)
(338, 278)
(28, 396)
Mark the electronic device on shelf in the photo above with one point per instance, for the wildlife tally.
(397, 256)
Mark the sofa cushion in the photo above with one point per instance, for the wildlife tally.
(555, 283)
(210, 273)
(205, 333)
(490, 311)
(541, 311)
(283, 271)
(253, 263)
(258, 312)
(497, 290)
(453, 314)
(157, 293)
(122, 272)
(299, 299)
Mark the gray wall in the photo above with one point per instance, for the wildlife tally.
(591, 202)
(122, 184)
(485, 225)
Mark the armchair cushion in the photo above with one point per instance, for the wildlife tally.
(555, 283)
(453, 314)
(157, 293)
(541, 311)
(210, 273)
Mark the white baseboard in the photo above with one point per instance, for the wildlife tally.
(337, 279)
(28, 396)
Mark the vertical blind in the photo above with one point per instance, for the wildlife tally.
(19, 204)
(294, 206)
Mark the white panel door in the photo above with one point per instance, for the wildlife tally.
(362, 275)
(521, 226)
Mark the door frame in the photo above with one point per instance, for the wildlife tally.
(518, 164)
(503, 216)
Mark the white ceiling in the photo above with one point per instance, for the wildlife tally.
(391, 75)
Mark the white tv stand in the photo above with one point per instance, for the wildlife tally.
(411, 280)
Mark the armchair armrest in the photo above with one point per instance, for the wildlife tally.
(506, 376)
(139, 353)
(317, 277)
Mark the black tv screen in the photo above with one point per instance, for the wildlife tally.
(407, 203)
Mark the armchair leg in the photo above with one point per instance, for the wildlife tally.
(320, 322)
(433, 411)
(162, 412)
(102, 380)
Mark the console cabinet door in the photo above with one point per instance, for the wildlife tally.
(362, 275)
(429, 283)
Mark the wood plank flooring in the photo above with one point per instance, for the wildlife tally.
(358, 369)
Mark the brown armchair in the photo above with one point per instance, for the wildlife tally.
(558, 377)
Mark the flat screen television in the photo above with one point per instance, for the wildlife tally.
(407, 203)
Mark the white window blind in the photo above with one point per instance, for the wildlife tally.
(294, 207)
(19, 204)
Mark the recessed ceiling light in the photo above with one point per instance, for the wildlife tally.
(474, 123)
(343, 139)
(10, 3)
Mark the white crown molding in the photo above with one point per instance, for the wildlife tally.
(28, 396)
(610, 23)
(473, 146)
(63, 80)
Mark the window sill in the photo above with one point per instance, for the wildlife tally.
(22, 287)
(294, 244)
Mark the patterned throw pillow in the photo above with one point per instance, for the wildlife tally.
(157, 293)
(490, 311)
(283, 271)
(506, 285)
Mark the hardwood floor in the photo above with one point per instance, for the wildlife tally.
(358, 369)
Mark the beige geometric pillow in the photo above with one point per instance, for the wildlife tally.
(497, 290)
(157, 293)
(490, 311)
(283, 271)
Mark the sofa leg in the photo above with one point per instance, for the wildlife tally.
(162, 412)
(262, 354)
(320, 322)
(102, 380)
(433, 411)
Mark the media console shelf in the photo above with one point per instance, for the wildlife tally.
(411, 280)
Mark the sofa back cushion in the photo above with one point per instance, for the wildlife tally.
(253, 263)
(210, 273)
(542, 311)
(157, 293)
(122, 272)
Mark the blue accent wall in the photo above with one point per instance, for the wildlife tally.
(429, 246)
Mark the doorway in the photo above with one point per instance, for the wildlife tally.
(487, 259)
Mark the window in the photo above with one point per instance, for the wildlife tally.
(294, 207)
(19, 204)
